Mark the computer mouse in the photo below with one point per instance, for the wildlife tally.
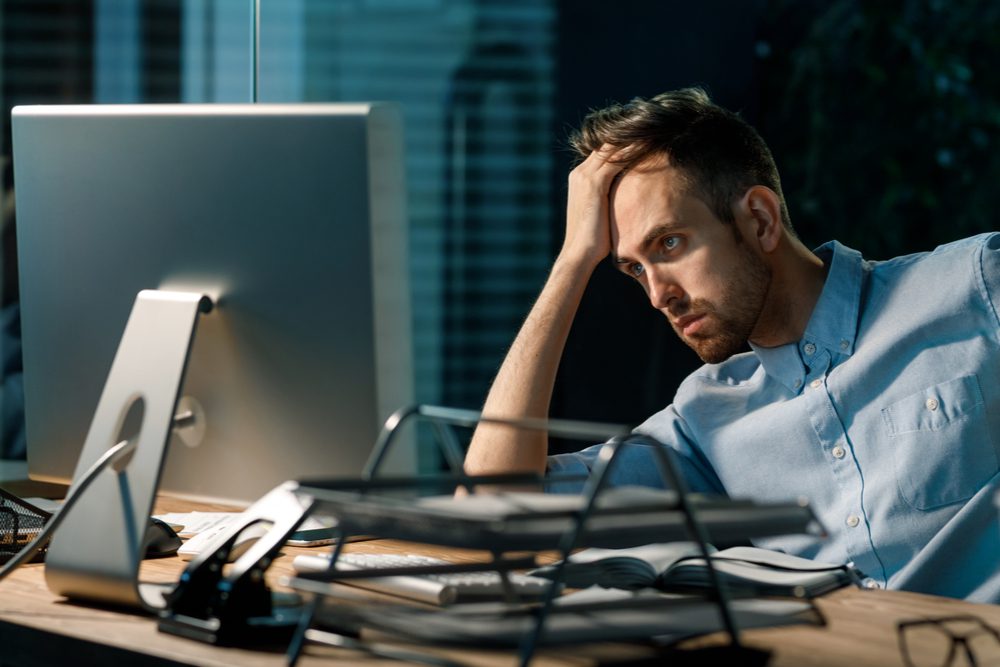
(161, 540)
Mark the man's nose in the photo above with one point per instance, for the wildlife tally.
(662, 290)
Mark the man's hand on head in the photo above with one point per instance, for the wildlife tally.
(588, 232)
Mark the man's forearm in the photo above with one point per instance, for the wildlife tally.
(523, 386)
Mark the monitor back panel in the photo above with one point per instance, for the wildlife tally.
(269, 210)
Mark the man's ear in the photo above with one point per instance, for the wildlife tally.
(760, 210)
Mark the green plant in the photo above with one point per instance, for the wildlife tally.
(884, 118)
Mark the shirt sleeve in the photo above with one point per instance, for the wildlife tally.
(637, 463)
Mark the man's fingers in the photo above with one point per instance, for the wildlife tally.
(602, 167)
(605, 156)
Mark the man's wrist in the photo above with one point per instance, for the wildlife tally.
(576, 262)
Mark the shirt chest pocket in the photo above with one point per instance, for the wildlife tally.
(941, 443)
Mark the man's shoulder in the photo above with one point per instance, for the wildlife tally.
(969, 266)
(956, 251)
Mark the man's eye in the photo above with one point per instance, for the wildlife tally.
(636, 270)
(671, 242)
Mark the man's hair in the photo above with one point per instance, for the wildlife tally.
(719, 154)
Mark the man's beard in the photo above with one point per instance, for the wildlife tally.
(728, 325)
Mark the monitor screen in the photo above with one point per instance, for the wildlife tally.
(291, 217)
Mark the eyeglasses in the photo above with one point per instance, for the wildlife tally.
(934, 642)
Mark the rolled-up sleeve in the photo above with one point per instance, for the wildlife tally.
(636, 463)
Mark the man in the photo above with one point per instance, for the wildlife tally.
(871, 388)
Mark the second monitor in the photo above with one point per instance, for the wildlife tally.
(291, 217)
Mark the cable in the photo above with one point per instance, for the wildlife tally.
(113, 457)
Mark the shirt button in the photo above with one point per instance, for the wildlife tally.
(853, 521)
(809, 349)
(838, 452)
(797, 383)
(816, 384)
(844, 345)
(931, 404)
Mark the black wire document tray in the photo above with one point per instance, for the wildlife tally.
(20, 523)
(526, 521)
(504, 519)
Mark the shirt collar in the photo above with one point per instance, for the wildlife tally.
(833, 324)
(834, 321)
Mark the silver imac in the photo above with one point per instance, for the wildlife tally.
(291, 217)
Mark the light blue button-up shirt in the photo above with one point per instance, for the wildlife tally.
(885, 415)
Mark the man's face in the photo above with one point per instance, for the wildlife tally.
(701, 273)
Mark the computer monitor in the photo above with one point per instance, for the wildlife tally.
(291, 217)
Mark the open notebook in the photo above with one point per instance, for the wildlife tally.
(678, 566)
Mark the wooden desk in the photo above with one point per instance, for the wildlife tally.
(39, 628)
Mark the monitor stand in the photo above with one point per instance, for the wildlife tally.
(96, 552)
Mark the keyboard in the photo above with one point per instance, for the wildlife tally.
(437, 589)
